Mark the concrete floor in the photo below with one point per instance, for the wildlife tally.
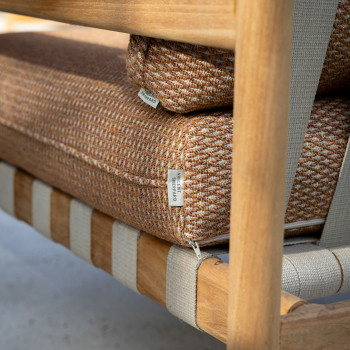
(49, 300)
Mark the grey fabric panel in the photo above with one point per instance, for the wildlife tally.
(336, 231)
(41, 207)
(312, 25)
(7, 188)
(124, 254)
(181, 283)
(80, 229)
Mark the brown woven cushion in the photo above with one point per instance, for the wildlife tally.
(69, 116)
(188, 77)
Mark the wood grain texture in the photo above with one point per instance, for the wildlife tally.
(203, 22)
(23, 196)
(212, 298)
(101, 240)
(290, 303)
(60, 217)
(317, 327)
(152, 254)
(261, 99)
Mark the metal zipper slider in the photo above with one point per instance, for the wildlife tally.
(196, 249)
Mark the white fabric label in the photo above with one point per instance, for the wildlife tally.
(147, 97)
(175, 187)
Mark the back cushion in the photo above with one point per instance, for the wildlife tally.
(187, 77)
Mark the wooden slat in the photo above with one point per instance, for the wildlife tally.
(101, 240)
(212, 298)
(261, 100)
(203, 22)
(60, 213)
(317, 327)
(23, 196)
(152, 256)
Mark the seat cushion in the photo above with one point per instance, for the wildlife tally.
(69, 116)
(185, 77)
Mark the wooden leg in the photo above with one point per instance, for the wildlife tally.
(263, 56)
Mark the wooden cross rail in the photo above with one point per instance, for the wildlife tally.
(204, 22)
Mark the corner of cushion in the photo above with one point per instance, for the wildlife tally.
(184, 156)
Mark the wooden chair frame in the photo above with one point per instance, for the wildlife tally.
(259, 31)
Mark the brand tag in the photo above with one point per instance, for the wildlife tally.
(147, 97)
(175, 187)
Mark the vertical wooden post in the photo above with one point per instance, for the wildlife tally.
(263, 57)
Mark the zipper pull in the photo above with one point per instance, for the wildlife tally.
(196, 249)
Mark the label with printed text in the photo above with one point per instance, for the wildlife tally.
(147, 97)
(175, 187)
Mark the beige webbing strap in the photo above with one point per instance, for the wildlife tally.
(80, 229)
(312, 25)
(7, 190)
(181, 282)
(317, 272)
(343, 256)
(124, 254)
(290, 277)
(336, 231)
(41, 207)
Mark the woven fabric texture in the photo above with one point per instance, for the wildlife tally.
(80, 229)
(183, 77)
(181, 283)
(320, 162)
(343, 256)
(337, 227)
(69, 116)
(7, 179)
(312, 26)
(317, 271)
(41, 199)
(124, 261)
(336, 69)
(187, 77)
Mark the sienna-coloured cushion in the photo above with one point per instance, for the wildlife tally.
(187, 77)
(69, 116)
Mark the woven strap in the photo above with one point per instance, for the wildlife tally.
(124, 254)
(310, 271)
(181, 282)
(336, 231)
(7, 180)
(312, 26)
(80, 229)
(343, 256)
(41, 207)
